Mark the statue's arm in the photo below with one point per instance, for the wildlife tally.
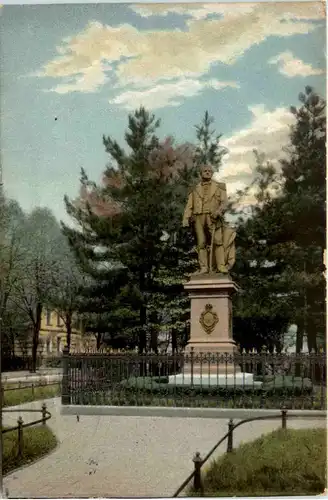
(188, 211)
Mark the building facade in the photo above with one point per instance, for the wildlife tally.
(53, 337)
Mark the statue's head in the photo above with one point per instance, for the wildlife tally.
(206, 171)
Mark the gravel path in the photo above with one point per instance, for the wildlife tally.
(104, 456)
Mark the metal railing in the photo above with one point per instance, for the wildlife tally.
(199, 462)
(295, 381)
(46, 415)
(29, 385)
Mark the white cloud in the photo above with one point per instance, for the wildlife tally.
(90, 80)
(290, 66)
(148, 56)
(196, 11)
(167, 94)
(298, 11)
(268, 133)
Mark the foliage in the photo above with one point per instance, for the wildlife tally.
(37, 442)
(138, 263)
(304, 226)
(208, 149)
(274, 392)
(36, 269)
(284, 462)
(68, 285)
(11, 256)
(121, 245)
(280, 240)
(262, 307)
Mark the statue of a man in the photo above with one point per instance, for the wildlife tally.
(205, 212)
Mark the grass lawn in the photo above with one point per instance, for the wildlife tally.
(284, 462)
(38, 441)
(27, 394)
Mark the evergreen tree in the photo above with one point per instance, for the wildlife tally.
(280, 245)
(208, 149)
(262, 307)
(169, 307)
(303, 209)
(123, 249)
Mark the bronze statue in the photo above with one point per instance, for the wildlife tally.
(204, 211)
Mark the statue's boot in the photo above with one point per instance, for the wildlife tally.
(220, 260)
(203, 262)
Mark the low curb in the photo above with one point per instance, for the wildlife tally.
(154, 411)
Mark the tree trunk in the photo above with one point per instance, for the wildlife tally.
(174, 341)
(299, 337)
(142, 340)
(299, 345)
(142, 330)
(154, 339)
(68, 330)
(311, 334)
(35, 339)
(99, 338)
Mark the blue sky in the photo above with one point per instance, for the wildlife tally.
(71, 73)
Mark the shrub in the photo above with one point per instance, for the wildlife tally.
(275, 392)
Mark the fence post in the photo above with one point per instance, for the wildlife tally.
(20, 436)
(33, 390)
(44, 413)
(230, 436)
(284, 418)
(197, 475)
(66, 398)
(192, 365)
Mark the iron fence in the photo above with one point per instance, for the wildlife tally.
(46, 415)
(30, 388)
(195, 380)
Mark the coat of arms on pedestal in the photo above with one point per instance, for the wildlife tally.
(208, 319)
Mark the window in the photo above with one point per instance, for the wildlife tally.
(58, 345)
(58, 320)
(48, 317)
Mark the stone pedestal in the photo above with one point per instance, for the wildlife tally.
(211, 333)
(211, 320)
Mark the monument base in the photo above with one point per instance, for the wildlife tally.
(218, 380)
(211, 357)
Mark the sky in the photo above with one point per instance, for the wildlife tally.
(72, 73)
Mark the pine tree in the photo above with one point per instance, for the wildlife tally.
(262, 308)
(126, 240)
(304, 206)
(208, 149)
(280, 245)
